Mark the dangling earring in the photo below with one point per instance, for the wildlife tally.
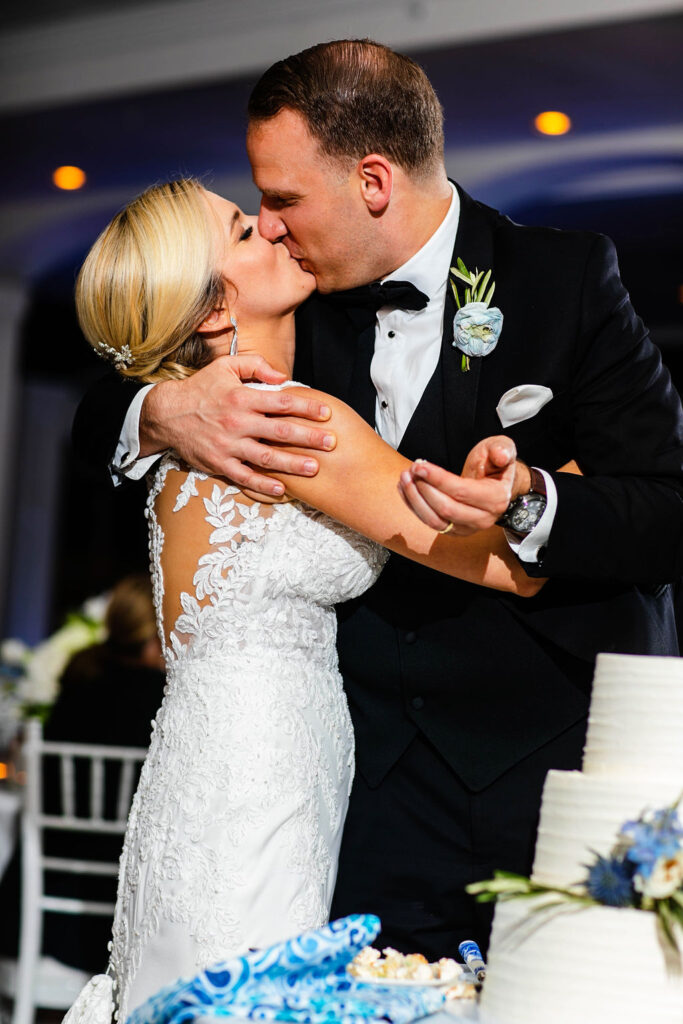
(233, 343)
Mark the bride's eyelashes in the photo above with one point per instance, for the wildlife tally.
(247, 233)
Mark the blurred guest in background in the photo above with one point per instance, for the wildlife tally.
(109, 694)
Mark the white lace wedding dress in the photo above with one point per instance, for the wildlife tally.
(234, 832)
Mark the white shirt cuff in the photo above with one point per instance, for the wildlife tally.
(527, 550)
(126, 462)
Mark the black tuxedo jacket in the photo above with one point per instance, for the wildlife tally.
(487, 677)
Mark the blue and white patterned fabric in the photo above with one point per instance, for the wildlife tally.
(302, 980)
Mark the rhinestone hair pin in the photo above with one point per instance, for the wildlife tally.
(118, 356)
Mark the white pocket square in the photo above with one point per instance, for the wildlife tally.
(522, 402)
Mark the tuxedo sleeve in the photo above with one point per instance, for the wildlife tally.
(623, 520)
(99, 419)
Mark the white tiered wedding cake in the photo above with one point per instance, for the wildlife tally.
(596, 965)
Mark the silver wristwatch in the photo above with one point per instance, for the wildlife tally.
(524, 512)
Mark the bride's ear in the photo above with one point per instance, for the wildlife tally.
(217, 320)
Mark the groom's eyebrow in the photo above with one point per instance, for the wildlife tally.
(275, 195)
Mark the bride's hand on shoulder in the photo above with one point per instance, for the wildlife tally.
(225, 429)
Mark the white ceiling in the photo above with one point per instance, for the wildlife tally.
(97, 50)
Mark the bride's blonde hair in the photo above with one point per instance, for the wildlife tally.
(149, 281)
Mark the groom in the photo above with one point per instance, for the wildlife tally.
(462, 698)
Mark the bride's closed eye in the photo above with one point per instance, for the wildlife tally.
(247, 233)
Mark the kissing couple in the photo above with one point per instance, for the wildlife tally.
(361, 467)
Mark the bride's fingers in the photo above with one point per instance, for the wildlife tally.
(489, 494)
(465, 518)
(417, 504)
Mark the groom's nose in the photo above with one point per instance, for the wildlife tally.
(271, 225)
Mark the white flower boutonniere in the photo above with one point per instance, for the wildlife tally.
(477, 325)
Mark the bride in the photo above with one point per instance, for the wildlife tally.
(234, 832)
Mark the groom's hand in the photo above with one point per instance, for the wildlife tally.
(473, 500)
(219, 426)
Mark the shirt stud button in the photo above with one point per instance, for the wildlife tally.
(384, 404)
(391, 334)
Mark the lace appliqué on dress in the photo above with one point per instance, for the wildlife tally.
(235, 829)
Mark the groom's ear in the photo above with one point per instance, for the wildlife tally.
(217, 320)
(377, 181)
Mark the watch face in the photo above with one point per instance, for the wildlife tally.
(527, 514)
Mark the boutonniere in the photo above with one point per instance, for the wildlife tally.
(477, 325)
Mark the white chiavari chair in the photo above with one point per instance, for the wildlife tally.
(36, 900)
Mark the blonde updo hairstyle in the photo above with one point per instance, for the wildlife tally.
(149, 281)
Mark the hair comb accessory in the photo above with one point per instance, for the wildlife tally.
(118, 356)
(233, 343)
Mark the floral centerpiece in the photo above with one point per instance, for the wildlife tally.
(29, 677)
(644, 871)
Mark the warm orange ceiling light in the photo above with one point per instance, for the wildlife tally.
(69, 178)
(552, 122)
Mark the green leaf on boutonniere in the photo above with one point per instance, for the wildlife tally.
(480, 294)
(489, 294)
(465, 363)
(462, 267)
(463, 277)
(455, 294)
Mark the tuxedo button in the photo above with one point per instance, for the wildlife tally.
(411, 637)
(417, 703)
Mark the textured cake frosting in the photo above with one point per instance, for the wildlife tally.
(596, 965)
(636, 718)
(581, 815)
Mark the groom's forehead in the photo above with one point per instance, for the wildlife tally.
(285, 158)
(281, 140)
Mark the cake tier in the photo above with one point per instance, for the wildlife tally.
(582, 814)
(592, 965)
(636, 717)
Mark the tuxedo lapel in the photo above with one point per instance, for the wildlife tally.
(362, 394)
(330, 340)
(474, 246)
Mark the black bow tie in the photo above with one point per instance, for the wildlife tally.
(399, 294)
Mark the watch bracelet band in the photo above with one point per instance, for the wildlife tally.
(537, 482)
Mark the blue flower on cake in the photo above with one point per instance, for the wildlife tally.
(644, 871)
(477, 325)
(609, 882)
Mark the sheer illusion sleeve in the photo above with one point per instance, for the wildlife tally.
(198, 524)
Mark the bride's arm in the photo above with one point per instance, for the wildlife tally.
(357, 484)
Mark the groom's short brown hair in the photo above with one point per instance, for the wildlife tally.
(357, 97)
